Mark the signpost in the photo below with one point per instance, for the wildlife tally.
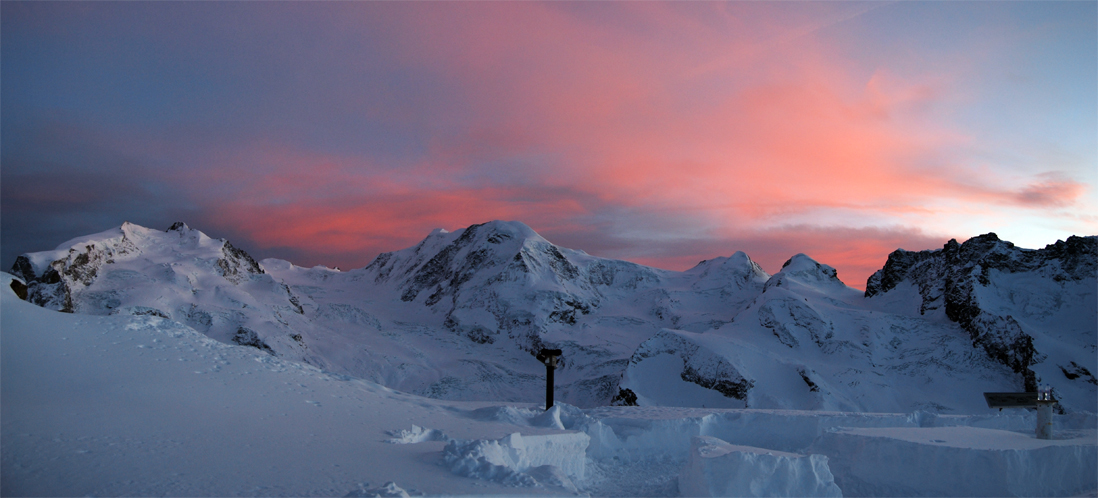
(549, 358)
(1042, 400)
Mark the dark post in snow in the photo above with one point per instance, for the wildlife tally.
(549, 358)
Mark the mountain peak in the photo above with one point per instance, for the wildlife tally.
(497, 231)
(178, 226)
(804, 269)
(802, 264)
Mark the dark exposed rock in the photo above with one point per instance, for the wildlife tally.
(247, 337)
(949, 279)
(19, 288)
(237, 264)
(294, 301)
(23, 269)
(381, 265)
(700, 366)
(729, 388)
(812, 387)
(141, 311)
(625, 397)
(565, 311)
(1076, 371)
(53, 289)
(480, 335)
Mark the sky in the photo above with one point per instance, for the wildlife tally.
(663, 133)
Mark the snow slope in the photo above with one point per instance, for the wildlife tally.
(460, 315)
(141, 405)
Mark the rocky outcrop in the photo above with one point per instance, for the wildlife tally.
(247, 337)
(54, 277)
(699, 365)
(953, 279)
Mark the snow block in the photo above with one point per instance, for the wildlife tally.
(508, 460)
(416, 435)
(960, 461)
(389, 490)
(717, 468)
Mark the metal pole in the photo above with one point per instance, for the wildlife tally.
(549, 368)
(1044, 412)
(549, 358)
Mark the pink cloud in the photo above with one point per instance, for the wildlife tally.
(611, 118)
(1050, 191)
(724, 121)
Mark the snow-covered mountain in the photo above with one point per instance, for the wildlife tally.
(145, 406)
(1031, 310)
(459, 316)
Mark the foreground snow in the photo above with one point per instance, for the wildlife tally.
(142, 405)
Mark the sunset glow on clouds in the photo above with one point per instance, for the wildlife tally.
(661, 133)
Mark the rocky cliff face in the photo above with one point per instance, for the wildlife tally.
(966, 282)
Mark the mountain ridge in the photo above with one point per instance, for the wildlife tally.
(460, 314)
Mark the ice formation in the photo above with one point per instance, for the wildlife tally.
(717, 468)
(510, 458)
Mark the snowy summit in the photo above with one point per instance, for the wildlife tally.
(184, 366)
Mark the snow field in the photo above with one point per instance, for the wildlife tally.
(141, 405)
(960, 461)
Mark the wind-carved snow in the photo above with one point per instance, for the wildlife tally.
(460, 315)
(717, 468)
(517, 459)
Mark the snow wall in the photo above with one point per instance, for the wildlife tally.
(789, 453)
